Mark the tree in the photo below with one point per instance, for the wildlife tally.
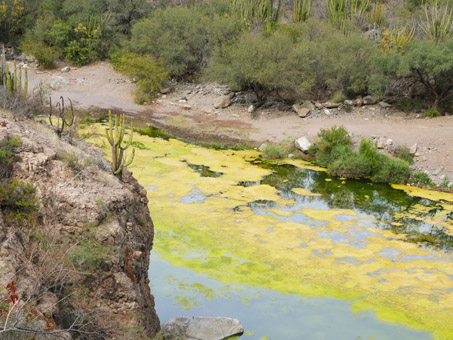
(420, 63)
(264, 64)
(176, 36)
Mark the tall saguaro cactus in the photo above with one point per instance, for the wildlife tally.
(115, 135)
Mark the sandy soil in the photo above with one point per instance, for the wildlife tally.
(189, 111)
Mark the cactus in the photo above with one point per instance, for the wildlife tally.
(61, 116)
(301, 10)
(26, 82)
(10, 81)
(19, 80)
(438, 23)
(115, 135)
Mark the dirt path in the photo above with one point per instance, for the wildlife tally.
(190, 110)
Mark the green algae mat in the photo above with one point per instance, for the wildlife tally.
(290, 227)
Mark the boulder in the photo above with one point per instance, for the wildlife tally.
(206, 328)
(222, 102)
(303, 144)
(303, 110)
(369, 100)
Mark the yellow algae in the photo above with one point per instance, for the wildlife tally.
(304, 192)
(374, 268)
(424, 193)
(304, 165)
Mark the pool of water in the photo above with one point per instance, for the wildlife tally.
(292, 252)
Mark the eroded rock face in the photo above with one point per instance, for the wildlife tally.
(196, 328)
(84, 202)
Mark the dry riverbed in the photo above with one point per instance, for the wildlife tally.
(188, 111)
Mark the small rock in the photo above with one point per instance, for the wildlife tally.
(348, 102)
(369, 100)
(389, 142)
(183, 100)
(381, 143)
(327, 112)
(65, 69)
(164, 96)
(291, 155)
(187, 107)
(251, 109)
(417, 116)
(206, 328)
(262, 147)
(165, 90)
(222, 102)
(303, 144)
(187, 92)
(318, 105)
(384, 105)
(413, 149)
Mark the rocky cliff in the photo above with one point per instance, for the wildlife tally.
(78, 258)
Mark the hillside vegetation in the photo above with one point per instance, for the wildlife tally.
(291, 50)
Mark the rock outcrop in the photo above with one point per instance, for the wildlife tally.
(206, 328)
(90, 236)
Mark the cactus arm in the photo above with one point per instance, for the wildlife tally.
(26, 82)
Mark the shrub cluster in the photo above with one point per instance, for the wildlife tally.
(334, 151)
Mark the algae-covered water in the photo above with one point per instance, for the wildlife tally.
(292, 252)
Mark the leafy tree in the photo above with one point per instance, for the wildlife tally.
(176, 36)
(422, 63)
(264, 64)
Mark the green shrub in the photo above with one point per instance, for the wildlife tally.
(7, 152)
(330, 139)
(368, 151)
(402, 152)
(277, 151)
(351, 165)
(45, 55)
(391, 170)
(422, 178)
(78, 54)
(431, 113)
(18, 200)
(149, 74)
(446, 182)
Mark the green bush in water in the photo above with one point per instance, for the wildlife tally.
(391, 170)
(350, 165)
(328, 140)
